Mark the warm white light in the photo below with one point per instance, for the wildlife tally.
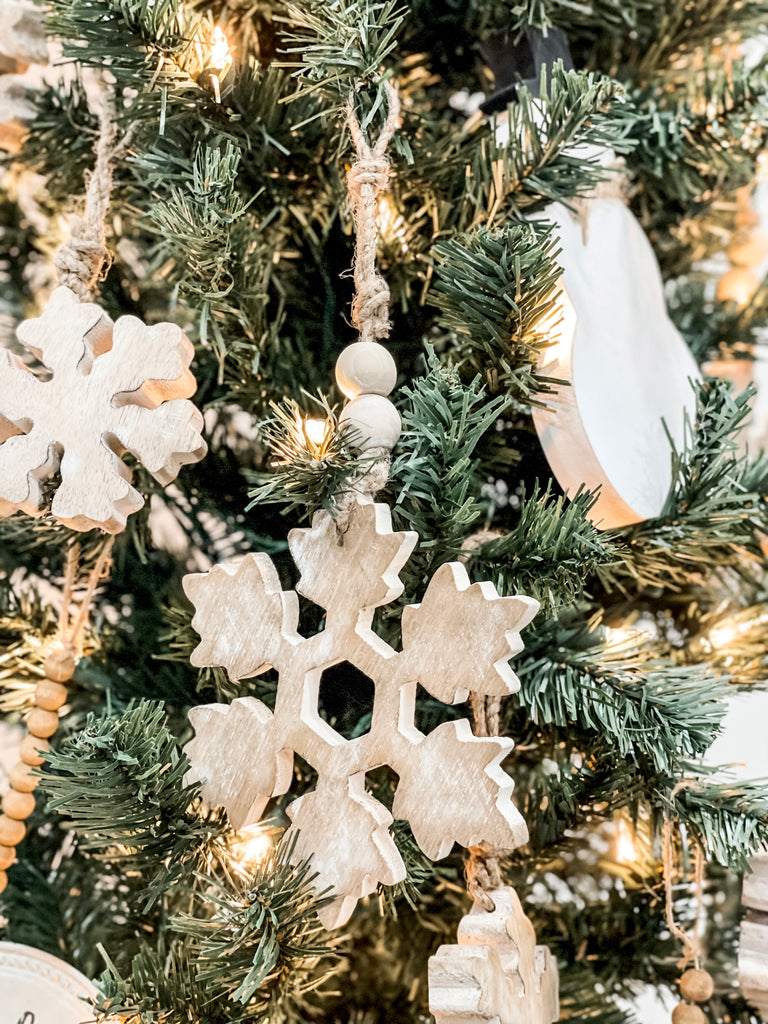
(626, 852)
(391, 223)
(220, 55)
(251, 848)
(315, 430)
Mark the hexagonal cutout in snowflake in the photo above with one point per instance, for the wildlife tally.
(451, 786)
(345, 700)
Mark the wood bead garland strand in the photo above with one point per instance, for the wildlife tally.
(43, 720)
(366, 372)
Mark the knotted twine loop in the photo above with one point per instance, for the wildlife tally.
(82, 258)
(367, 177)
(690, 940)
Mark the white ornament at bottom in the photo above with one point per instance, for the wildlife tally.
(753, 940)
(496, 974)
(38, 988)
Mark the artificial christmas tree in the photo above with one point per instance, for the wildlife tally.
(236, 200)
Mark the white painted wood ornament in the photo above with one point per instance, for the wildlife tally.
(115, 388)
(22, 42)
(460, 638)
(627, 369)
(38, 988)
(753, 940)
(496, 974)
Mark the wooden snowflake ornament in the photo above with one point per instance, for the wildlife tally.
(451, 787)
(115, 388)
(496, 974)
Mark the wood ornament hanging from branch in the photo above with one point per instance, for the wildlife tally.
(627, 373)
(451, 787)
(113, 388)
(496, 974)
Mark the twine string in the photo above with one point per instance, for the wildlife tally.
(367, 177)
(81, 260)
(72, 626)
(689, 939)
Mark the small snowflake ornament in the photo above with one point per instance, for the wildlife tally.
(115, 388)
(451, 787)
(496, 974)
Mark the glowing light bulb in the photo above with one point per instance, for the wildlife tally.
(625, 842)
(313, 433)
(251, 848)
(220, 55)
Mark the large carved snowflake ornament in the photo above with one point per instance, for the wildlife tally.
(115, 388)
(451, 787)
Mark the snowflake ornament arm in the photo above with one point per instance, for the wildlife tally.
(451, 787)
(114, 388)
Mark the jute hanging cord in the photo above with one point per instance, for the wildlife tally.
(50, 695)
(689, 939)
(82, 258)
(367, 178)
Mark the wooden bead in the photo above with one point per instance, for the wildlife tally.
(12, 831)
(684, 1013)
(748, 249)
(18, 806)
(50, 696)
(3, 881)
(7, 856)
(60, 664)
(42, 723)
(28, 752)
(738, 285)
(365, 368)
(22, 779)
(696, 986)
(376, 422)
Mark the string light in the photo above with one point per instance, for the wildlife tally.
(217, 62)
(313, 433)
(625, 849)
(391, 223)
(250, 848)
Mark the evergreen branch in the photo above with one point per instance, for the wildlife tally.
(341, 47)
(120, 782)
(730, 820)
(711, 517)
(653, 714)
(306, 473)
(497, 290)
(551, 553)
(434, 471)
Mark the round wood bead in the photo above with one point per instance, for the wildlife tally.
(697, 986)
(18, 806)
(7, 856)
(365, 368)
(375, 420)
(60, 664)
(685, 1013)
(12, 831)
(22, 779)
(3, 881)
(738, 285)
(748, 249)
(50, 696)
(42, 723)
(28, 752)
